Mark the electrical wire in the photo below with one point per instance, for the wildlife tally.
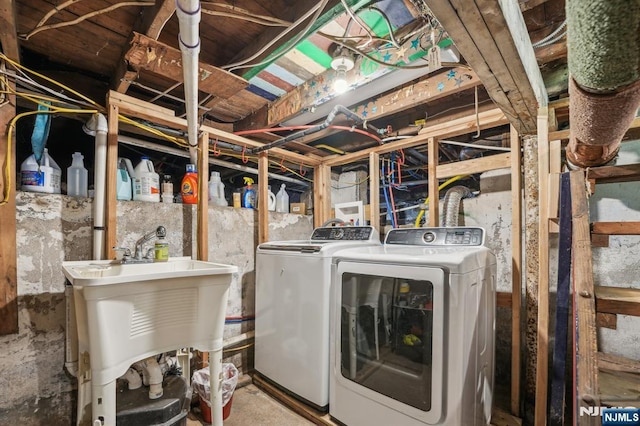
(355, 19)
(385, 18)
(549, 37)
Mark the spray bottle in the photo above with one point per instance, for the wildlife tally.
(248, 194)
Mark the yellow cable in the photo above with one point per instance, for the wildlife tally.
(443, 185)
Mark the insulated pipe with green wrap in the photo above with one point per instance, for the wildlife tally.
(604, 87)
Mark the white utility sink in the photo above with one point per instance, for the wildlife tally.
(128, 312)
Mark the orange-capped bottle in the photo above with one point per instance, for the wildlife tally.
(189, 187)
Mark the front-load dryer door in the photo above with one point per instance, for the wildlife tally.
(390, 323)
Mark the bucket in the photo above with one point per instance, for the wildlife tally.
(146, 182)
(206, 410)
(44, 178)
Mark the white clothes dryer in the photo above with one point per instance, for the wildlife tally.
(413, 326)
(292, 309)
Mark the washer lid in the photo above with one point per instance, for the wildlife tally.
(327, 240)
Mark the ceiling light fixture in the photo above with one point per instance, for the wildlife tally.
(341, 63)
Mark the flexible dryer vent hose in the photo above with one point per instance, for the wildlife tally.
(604, 87)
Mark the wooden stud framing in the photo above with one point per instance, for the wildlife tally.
(434, 192)
(585, 362)
(516, 269)
(202, 230)
(475, 165)
(555, 167)
(263, 198)
(543, 270)
(8, 30)
(8, 250)
(110, 189)
(374, 190)
(321, 194)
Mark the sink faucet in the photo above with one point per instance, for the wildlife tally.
(138, 257)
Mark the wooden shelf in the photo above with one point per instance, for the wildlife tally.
(619, 380)
(618, 300)
(615, 228)
(610, 174)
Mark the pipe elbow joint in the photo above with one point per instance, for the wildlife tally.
(152, 376)
(133, 379)
(96, 124)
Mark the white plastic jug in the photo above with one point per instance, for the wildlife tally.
(45, 178)
(282, 200)
(77, 177)
(146, 182)
(271, 204)
(124, 184)
(216, 190)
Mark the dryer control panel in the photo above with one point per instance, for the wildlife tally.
(344, 233)
(455, 236)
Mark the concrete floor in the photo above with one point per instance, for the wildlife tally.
(251, 406)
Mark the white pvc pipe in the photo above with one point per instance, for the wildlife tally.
(97, 126)
(188, 12)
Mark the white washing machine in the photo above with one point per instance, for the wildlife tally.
(413, 326)
(292, 309)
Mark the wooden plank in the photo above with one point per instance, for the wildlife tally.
(610, 174)
(8, 250)
(617, 300)
(542, 363)
(460, 126)
(585, 338)
(110, 203)
(619, 389)
(263, 197)
(374, 190)
(516, 270)
(148, 54)
(503, 299)
(434, 192)
(8, 30)
(202, 219)
(555, 167)
(134, 105)
(321, 194)
(599, 240)
(475, 165)
(604, 320)
(558, 370)
(616, 228)
(611, 362)
(154, 116)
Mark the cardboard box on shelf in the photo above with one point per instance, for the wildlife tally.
(298, 208)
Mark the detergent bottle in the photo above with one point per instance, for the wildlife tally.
(44, 177)
(123, 179)
(146, 182)
(249, 194)
(271, 205)
(282, 200)
(216, 190)
(189, 187)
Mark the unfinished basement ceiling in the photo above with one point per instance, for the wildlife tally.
(268, 63)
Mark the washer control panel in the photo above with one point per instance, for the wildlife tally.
(456, 236)
(344, 233)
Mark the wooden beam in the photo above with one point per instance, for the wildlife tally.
(610, 174)
(8, 250)
(202, 220)
(427, 89)
(321, 194)
(475, 165)
(137, 109)
(487, 119)
(616, 228)
(618, 363)
(434, 193)
(617, 300)
(555, 167)
(516, 269)
(263, 197)
(605, 320)
(161, 59)
(489, 42)
(8, 30)
(110, 203)
(542, 365)
(374, 190)
(503, 299)
(585, 338)
(150, 23)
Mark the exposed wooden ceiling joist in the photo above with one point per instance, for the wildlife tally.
(8, 30)
(150, 55)
(495, 45)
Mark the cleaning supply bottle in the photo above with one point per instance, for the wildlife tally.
(282, 200)
(189, 186)
(249, 194)
(44, 177)
(271, 205)
(77, 177)
(161, 249)
(216, 190)
(167, 189)
(124, 179)
(146, 182)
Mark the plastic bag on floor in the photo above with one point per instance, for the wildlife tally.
(200, 382)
